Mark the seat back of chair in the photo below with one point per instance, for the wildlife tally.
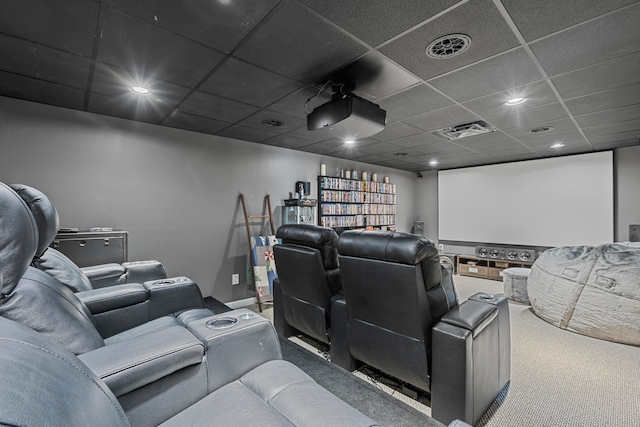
(43, 384)
(394, 290)
(308, 272)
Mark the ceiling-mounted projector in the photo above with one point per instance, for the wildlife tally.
(348, 117)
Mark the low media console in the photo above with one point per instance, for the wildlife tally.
(470, 265)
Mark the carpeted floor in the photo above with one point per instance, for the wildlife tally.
(558, 378)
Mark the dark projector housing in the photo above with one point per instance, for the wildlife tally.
(348, 117)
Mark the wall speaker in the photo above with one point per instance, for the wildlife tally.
(634, 233)
(511, 254)
(418, 228)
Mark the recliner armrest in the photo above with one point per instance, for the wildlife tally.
(143, 271)
(471, 315)
(128, 365)
(237, 342)
(113, 297)
(104, 275)
(172, 295)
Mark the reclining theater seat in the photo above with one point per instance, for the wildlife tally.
(404, 319)
(308, 280)
(66, 271)
(392, 285)
(222, 370)
(88, 320)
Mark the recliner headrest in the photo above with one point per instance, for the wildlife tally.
(44, 213)
(394, 246)
(18, 238)
(321, 238)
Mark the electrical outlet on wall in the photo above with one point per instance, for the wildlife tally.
(235, 279)
(440, 247)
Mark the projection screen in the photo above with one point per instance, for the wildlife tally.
(549, 202)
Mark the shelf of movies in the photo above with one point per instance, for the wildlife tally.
(342, 221)
(377, 220)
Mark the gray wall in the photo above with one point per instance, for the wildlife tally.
(175, 191)
(627, 194)
(626, 169)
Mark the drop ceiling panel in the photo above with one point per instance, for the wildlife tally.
(604, 76)
(616, 35)
(67, 25)
(536, 94)
(610, 117)
(35, 90)
(44, 63)
(151, 51)
(289, 123)
(207, 105)
(373, 76)
(530, 116)
(412, 102)
(535, 19)
(294, 103)
(287, 141)
(126, 107)
(249, 84)
(376, 21)
(605, 100)
(295, 43)
(549, 138)
(246, 133)
(194, 123)
(498, 74)
(558, 126)
(480, 20)
(217, 24)
(450, 116)
(396, 130)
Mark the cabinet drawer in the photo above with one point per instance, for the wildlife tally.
(86, 249)
(472, 270)
(495, 273)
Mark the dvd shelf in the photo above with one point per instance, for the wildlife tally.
(350, 203)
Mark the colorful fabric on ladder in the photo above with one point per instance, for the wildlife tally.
(264, 265)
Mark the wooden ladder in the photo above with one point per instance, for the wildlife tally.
(247, 221)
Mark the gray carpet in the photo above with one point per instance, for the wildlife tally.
(560, 378)
(376, 404)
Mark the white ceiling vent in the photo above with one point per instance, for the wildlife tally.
(448, 46)
(464, 130)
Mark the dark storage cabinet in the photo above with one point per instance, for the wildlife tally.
(87, 248)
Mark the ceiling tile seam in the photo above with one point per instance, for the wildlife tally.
(600, 91)
(102, 16)
(259, 25)
(42, 80)
(536, 62)
(422, 24)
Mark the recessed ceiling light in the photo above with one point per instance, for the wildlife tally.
(541, 129)
(349, 141)
(448, 46)
(433, 163)
(557, 145)
(272, 123)
(139, 90)
(515, 101)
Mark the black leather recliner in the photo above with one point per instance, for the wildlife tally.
(66, 271)
(308, 280)
(403, 318)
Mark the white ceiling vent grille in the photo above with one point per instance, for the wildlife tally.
(448, 46)
(464, 130)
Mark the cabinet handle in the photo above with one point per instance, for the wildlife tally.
(106, 241)
(82, 243)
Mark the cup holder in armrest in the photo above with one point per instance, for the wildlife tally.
(484, 297)
(221, 323)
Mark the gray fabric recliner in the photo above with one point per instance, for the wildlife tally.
(224, 369)
(66, 271)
